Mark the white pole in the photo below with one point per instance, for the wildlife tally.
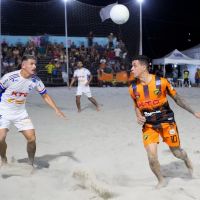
(0, 42)
(164, 71)
(140, 47)
(66, 37)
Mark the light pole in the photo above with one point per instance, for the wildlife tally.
(66, 42)
(140, 45)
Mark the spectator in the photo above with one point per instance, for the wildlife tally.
(110, 40)
(50, 67)
(186, 77)
(159, 71)
(197, 77)
(63, 67)
(117, 51)
(175, 76)
(90, 39)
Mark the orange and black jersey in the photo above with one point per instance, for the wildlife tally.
(152, 100)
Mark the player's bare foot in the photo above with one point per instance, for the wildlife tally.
(161, 184)
(31, 162)
(79, 110)
(4, 161)
(97, 108)
(188, 164)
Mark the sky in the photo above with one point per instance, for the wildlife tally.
(167, 24)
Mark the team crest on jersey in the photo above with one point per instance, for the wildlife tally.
(157, 92)
(145, 137)
(137, 95)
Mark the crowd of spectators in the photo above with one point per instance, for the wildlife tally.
(110, 58)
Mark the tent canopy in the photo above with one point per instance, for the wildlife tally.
(175, 57)
(193, 52)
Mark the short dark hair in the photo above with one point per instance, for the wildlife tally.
(27, 57)
(142, 59)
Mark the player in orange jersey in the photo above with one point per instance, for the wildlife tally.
(153, 112)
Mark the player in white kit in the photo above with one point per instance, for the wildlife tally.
(14, 89)
(84, 78)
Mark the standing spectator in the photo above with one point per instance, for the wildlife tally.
(186, 77)
(117, 51)
(175, 76)
(197, 77)
(50, 67)
(90, 39)
(159, 71)
(110, 40)
(63, 67)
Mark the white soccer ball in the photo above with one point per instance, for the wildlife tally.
(119, 14)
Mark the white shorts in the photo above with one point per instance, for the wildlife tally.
(21, 121)
(83, 90)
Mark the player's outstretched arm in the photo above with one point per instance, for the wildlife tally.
(183, 104)
(52, 104)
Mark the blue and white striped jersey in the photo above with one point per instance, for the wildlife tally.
(14, 90)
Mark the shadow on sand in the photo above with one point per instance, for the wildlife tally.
(43, 161)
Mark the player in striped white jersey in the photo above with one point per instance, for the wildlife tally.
(84, 78)
(14, 89)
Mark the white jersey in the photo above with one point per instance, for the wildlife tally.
(82, 75)
(14, 90)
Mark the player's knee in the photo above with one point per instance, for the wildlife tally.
(2, 140)
(2, 137)
(178, 153)
(153, 159)
(31, 139)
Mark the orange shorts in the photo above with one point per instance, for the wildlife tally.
(168, 132)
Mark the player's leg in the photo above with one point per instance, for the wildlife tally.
(181, 154)
(154, 164)
(26, 127)
(93, 100)
(78, 102)
(171, 137)
(90, 98)
(3, 145)
(31, 144)
(150, 141)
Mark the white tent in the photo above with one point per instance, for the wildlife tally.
(177, 58)
(193, 52)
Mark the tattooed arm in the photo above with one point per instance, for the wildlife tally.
(183, 104)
